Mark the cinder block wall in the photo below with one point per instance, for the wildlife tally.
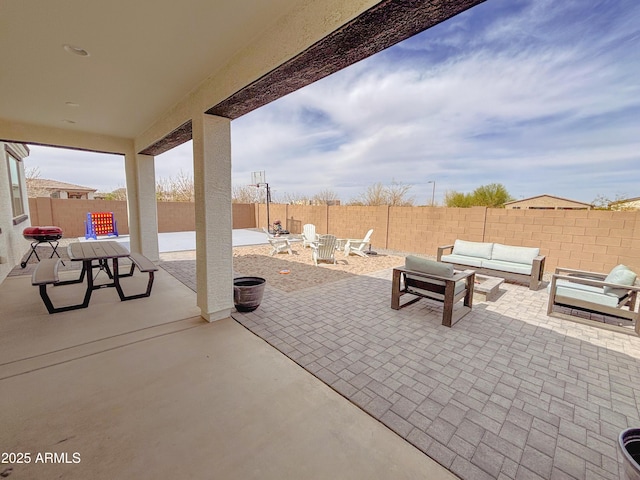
(70, 214)
(424, 229)
(244, 215)
(585, 239)
(299, 215)
(176, 216)
(354, 222)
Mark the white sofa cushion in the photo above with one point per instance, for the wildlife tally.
(472, 249)
(507, 253)
(512, 267)
(463, 260)
(622, 276)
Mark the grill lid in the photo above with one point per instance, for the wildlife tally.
(42, 233)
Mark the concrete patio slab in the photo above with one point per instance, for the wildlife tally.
(144, 389)
(29, 331)
(185, 241)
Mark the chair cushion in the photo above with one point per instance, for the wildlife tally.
(507, 253)
(472, 249)
(586, 293)
(425, 265)
(460, 286)
(622, 276)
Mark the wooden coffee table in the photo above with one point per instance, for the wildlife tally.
(486, 289)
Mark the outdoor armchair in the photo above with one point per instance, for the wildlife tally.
(613, 294)
(324, 250)
(357, 246)
(424, 278)
(309, 235)
(278, 244)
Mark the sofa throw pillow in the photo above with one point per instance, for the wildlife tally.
(472, 249)
(621, 276)
(424, 265)
(619, 267)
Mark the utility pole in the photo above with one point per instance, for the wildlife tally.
(433, 192)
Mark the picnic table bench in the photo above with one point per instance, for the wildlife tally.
(46, 272)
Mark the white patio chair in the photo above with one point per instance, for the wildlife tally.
(324, 250)
(309, 235)
(278, 244)
(356, 246)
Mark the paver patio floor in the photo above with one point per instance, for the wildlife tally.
(508, 392)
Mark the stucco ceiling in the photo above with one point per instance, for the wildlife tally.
(147, 54)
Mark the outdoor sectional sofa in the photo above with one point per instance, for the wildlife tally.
(519, 264)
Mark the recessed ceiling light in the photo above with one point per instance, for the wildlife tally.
(75, 50)
(66, 120)
(72, 104)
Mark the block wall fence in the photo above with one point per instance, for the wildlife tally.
(69, 214)
(593, 240)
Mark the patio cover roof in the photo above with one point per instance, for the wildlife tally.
(152, 65)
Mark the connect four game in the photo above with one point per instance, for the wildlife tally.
(100, 223)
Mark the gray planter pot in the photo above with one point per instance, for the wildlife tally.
(629, 443)
(247, 293)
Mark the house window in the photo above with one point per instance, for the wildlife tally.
(17, 193)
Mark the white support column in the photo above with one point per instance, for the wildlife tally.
(141, 205)
(214, 249)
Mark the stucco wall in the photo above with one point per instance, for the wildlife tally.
(12, 243)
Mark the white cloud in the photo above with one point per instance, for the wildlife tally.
(539, 95)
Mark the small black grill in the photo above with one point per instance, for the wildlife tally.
(38, 235)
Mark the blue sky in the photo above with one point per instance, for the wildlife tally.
(541, 96)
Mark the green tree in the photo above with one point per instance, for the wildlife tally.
(117, 194)
(494, 195)
(458, 199)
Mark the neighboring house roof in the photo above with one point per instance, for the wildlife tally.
(626, 200)
(55, 185)
(548, 196)
(627, 203)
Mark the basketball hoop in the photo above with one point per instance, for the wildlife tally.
(259, 179)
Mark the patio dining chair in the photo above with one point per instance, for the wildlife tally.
(324, 250)
(278, 244)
